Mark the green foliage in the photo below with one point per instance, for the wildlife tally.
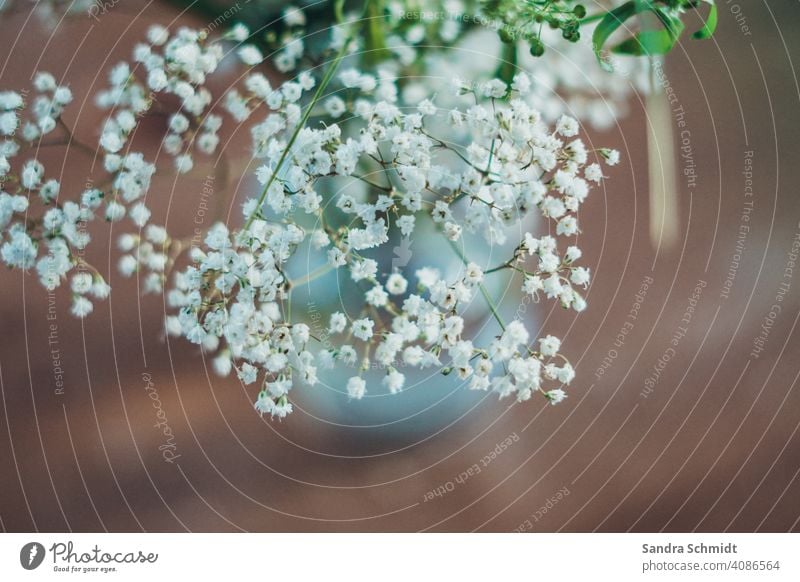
(525, 19)
(711, 22)
(660, 26)
(654, 25)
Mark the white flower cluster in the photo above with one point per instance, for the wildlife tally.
(232, 299)
(566, 80)
(412, 24)
(149, 253)
(498, 163)
(176, 65)
(51, 237)
(290, 46)
(46, 108)
(51, 13)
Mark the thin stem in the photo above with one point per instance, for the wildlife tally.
(489, 301)
(491, 153)
(301, 124)
(315, 274)
(498, 268)
(70, 140)
(372, 184)
(492, 306)
(592, 18)
(444, 145)
(376, 40)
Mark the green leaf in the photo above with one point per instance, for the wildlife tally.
(646, 42)
(711, 22)
(508, 64)
(671, 21)
(610, 23)
(338, 10)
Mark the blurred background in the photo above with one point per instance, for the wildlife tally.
(684, 415)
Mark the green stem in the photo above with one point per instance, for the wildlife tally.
(498, 268)
(489, 301)
(492, 306)
(376, 40)
(326, 79)
(508, 62)
(593, 18)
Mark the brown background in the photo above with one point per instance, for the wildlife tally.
(714, 447)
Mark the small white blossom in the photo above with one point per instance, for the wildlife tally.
(362, 328)
(356, 388)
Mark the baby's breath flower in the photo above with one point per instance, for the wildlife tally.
(362, 328)
(81, 307)
(354, 176)
(356, 388)
(250, 55)
(556, 395)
